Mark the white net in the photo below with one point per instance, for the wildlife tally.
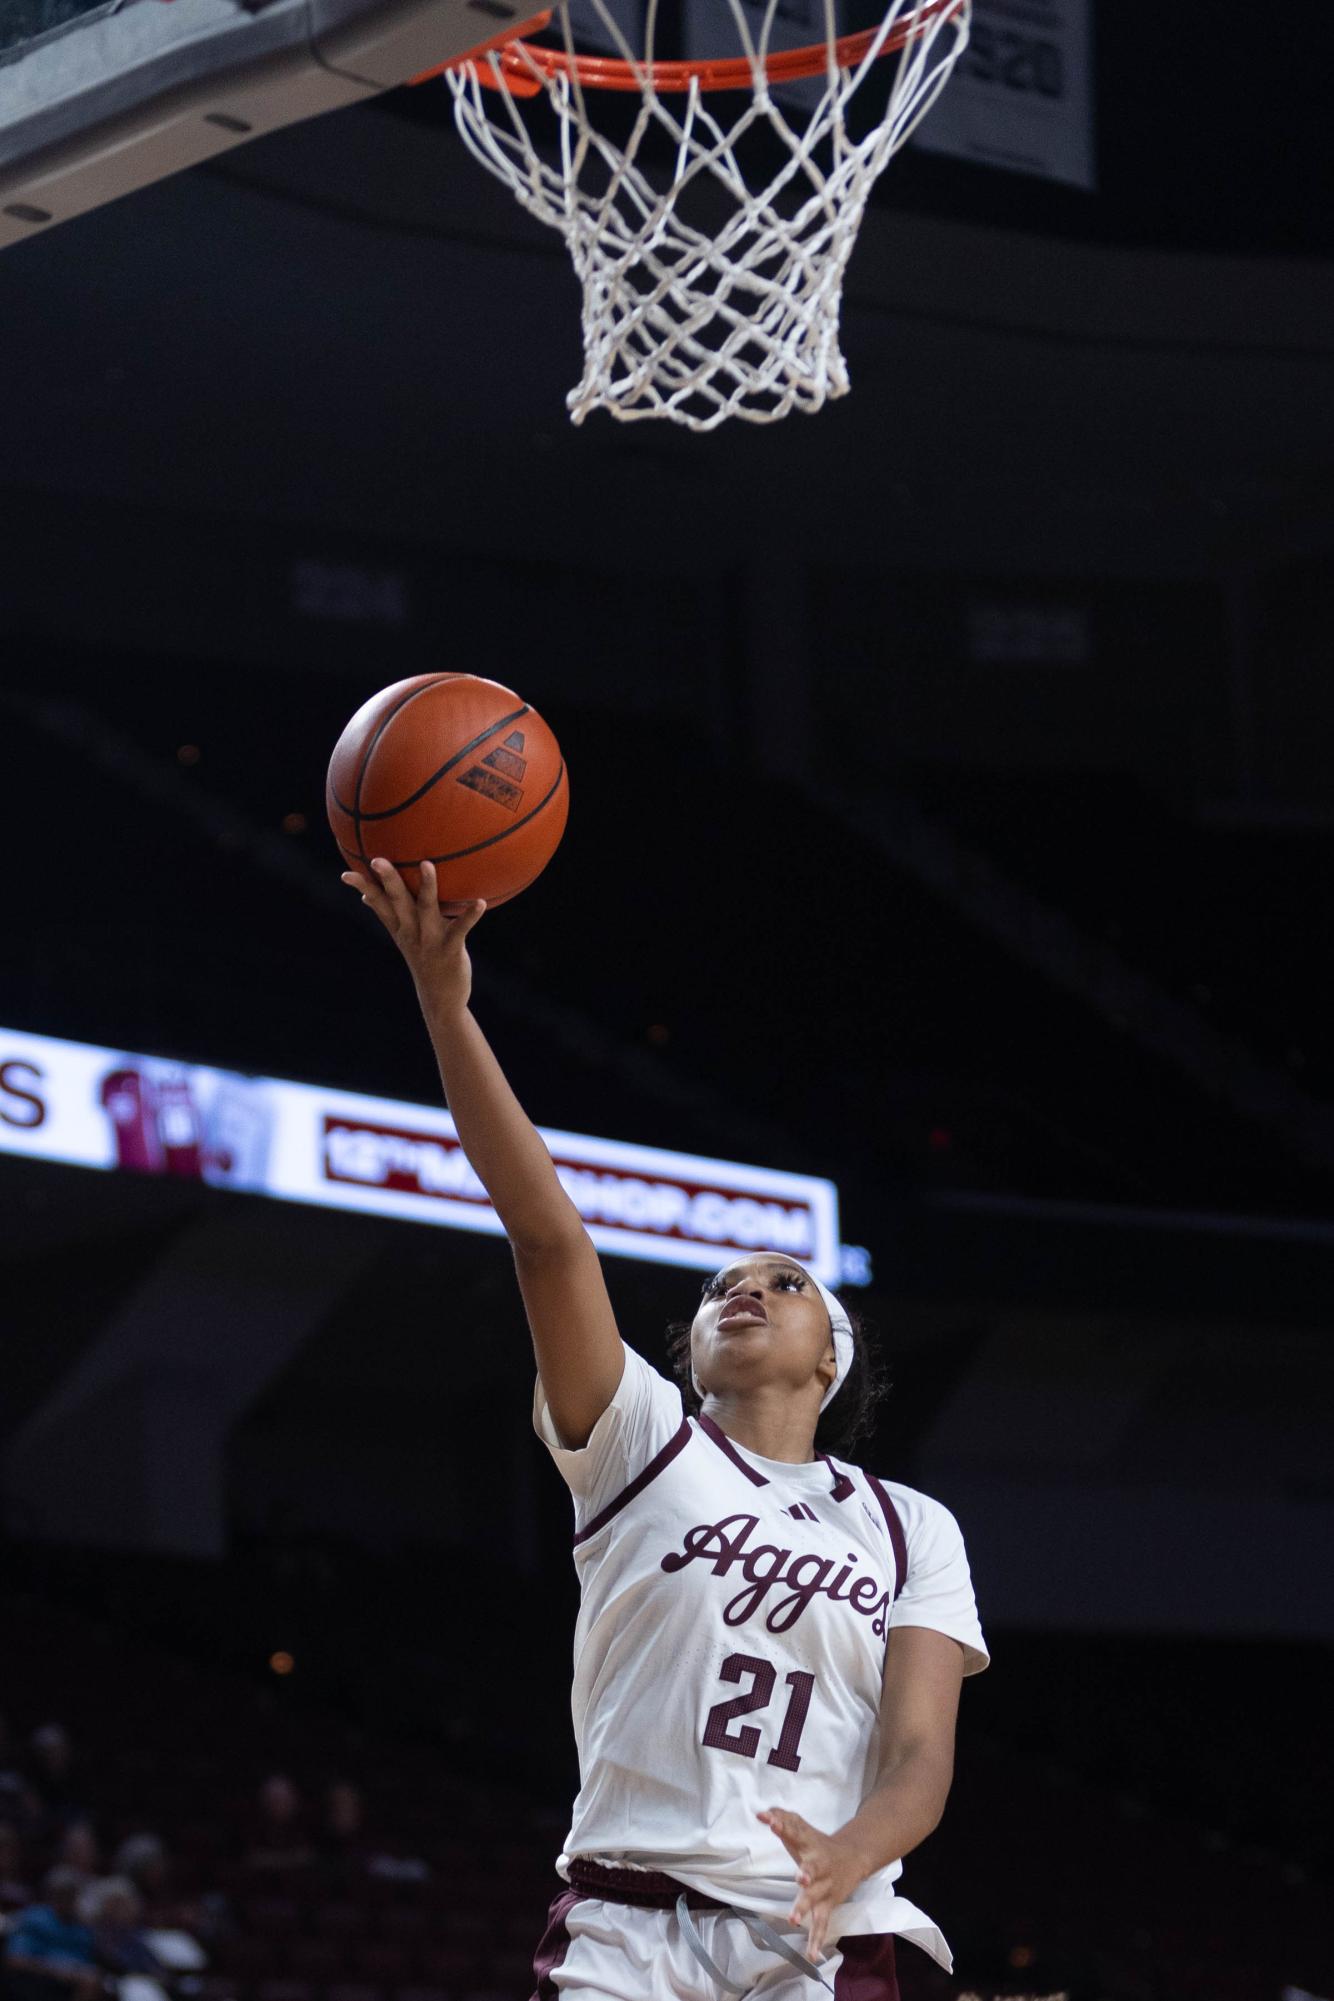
(706, 297)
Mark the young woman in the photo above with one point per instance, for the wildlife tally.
(770, 1643)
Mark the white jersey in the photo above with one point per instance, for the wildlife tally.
(730, 1647)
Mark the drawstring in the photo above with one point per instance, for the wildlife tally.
(760, 1930)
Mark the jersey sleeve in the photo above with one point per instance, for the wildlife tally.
(644, 1415)
(939, 1590)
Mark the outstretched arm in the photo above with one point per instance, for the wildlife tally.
(919, 1708)
(578, 1348)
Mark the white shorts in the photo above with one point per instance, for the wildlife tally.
(595, 1950)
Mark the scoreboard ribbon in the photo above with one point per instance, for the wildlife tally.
(104, 1108)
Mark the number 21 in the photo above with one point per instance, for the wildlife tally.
(718, 1733)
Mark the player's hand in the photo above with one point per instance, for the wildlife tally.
(430, 939)
(827, 1874)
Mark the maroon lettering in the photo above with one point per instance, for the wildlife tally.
(785, 1752)
(710, 1542)
(718, 1734)
(806, 1577)
(867, 1598)
(760, 1575)
(836, 1591)
(8, 1073)
(768, 1567)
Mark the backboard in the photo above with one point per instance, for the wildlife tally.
(97, 101)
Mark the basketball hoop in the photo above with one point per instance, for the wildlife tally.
(706, 297)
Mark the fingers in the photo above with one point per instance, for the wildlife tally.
(790, 1828)
(462, 912)
(386, 893)
(813, 1910)
(393, 886)
(373, 896)
(429, 916)
(813, 1906)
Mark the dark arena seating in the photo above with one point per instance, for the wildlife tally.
(1120, 1864)
(1219, 912)
(1046, 1096)
(1169, 1853)
(1177, 1863)
(946, 893)
(438, 1896)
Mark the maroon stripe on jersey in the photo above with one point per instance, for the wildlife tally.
(554, 1944)
(896, 1535)
(675, 1444)
(842, 1485)
(724, 1444)
(867, 1971)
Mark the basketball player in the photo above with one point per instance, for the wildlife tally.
(770, 1643)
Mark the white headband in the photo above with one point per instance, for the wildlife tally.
(840, 1327)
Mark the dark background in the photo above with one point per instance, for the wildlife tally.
(988, 715)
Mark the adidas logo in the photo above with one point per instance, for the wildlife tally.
(500, 774)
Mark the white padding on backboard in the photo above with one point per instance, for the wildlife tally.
(100, 66)
(121, 100)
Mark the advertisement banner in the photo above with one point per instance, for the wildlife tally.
(103, 1108)
(1022, 95)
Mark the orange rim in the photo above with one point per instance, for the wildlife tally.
(524, 66)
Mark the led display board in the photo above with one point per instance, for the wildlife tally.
(104, 1108)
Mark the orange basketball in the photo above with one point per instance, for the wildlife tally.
(452, 769)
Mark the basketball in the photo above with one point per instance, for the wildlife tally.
(453, 769)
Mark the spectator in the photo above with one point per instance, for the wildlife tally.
(11, 1779)
(54, 1780)
(143, 1858)
(49, 1955)
(343, 1843)
(111, 1909)
(18, 1802)
(79, 1848)
(280, 1840)
(15, 1894)
(347, 1850)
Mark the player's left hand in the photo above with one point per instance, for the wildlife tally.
(827, 1874)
